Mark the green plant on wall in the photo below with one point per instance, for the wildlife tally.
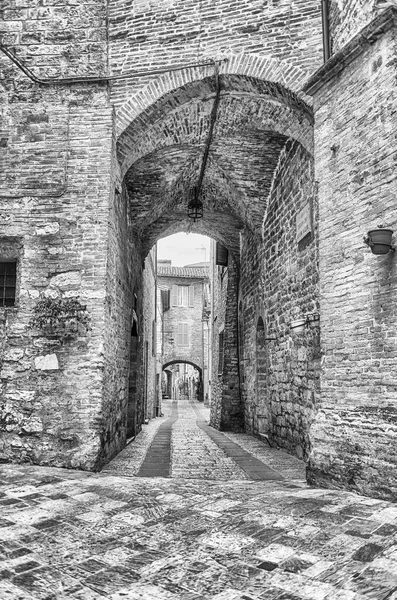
(60, 318)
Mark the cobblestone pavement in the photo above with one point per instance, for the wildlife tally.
(194, 454)
(71, 534)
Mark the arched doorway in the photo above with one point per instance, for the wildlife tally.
(261, 416)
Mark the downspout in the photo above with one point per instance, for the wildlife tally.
(326, 35)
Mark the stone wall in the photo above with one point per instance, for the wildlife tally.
(159, 33)
(51, 409)
(279, 284)
(56, 145)
(348, 17)
(355, 132)
(151, 367)
(226, 400)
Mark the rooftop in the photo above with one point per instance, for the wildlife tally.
(187, 272)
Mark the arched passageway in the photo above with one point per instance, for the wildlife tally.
(257, 178)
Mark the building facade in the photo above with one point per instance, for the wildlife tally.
(112, 115)
(185, 293)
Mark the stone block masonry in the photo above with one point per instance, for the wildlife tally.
(355, 433)
(55, 183)
(279, 283)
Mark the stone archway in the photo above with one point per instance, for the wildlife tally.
(261, 128)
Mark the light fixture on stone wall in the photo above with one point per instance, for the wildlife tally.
(309, 320)
(195, 206)
(379, 240)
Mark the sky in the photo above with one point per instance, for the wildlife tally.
(184, 248)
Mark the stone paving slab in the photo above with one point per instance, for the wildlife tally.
(201, 452)
(68, 534)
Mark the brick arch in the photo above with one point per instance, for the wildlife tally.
(181, 116)
(291, 77)
(175, 361)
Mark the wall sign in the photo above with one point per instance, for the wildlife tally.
(303, 222)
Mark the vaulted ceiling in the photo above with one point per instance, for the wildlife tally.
(161, 155)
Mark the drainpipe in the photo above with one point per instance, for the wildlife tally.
(326, 36)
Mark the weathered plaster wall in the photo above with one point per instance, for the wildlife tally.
(355, 132)
(279, 283)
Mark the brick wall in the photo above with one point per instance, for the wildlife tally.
(63, 255)
(279, 283)
(157, 34)
(226, 399)
(348, 17)
(56, 145)
(354, 434)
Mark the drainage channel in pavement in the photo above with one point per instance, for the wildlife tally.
(157, 462)
(253, 467)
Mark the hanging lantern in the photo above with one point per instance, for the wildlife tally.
(195, 206)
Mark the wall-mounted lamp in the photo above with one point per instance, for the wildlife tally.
(379, 240)
(309, 320)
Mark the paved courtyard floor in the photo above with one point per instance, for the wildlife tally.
(211, 528)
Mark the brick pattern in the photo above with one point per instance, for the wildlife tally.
(60, 257)
(354, 434)
(86, 535)
(227, 412)
(279, 283)
(349, 17)
(268, 40)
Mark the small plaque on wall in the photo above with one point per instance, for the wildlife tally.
(303, 222)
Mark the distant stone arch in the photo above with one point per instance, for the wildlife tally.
(182, 360)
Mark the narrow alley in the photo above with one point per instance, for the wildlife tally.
(187, 512)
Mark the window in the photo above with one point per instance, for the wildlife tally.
(8, 278)
(182, 295)
(183, 334)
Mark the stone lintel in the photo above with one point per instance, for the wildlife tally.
(357, 45)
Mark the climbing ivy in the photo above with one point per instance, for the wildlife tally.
(60, 318)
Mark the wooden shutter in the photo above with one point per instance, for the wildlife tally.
(183, 334)
(165, 298)
(174, 295)
(180, 334)
(222, 255)
(191, 295)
